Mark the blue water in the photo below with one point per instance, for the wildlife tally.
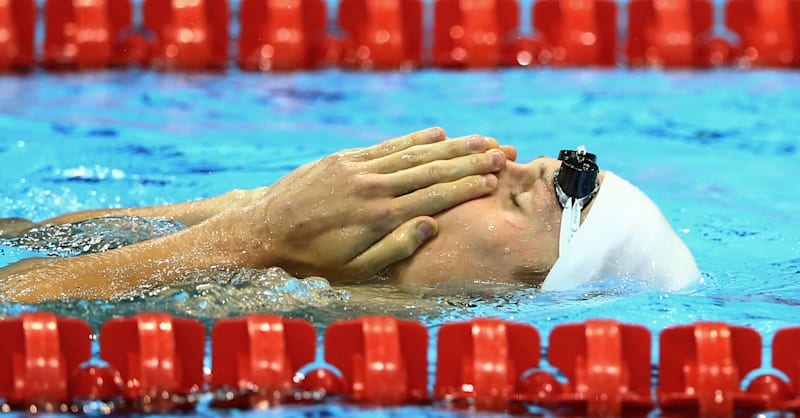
(718, 151)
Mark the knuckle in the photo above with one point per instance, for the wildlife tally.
(435, 195)
(353, 154)
(416, 136)
(469, 186)
(368, 184)
(345, 159)
(411, 158)
(449, 146)
(387, 213)
(406, 244)
(333, 159)
(435, 172)
(477, 160)
(432, 195)
(477, 184)
(474, 182)
(455, 148)
(388, 148)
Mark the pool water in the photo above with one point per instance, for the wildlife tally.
(718, 151)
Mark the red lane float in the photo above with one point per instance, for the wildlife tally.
(187, 34)
(258, 356)
(780, 394)
(701, 367)
(383, 360)
(388, 34)
(39, 354)
(155, 364)
(475, 33)
(607, 365)
(769, 31)
(17, 26)
(576, 32)
(86, 34)
(381, 34)
(673, 33)
(480, 363)
(282, 34)
(157, 356)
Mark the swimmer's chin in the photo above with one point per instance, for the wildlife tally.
(528, 279)
(382, 277)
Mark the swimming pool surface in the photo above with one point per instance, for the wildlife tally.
(718, 151)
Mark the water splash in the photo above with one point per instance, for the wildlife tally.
(207, 296)
(92, 236)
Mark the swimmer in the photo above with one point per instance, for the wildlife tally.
(418, 209)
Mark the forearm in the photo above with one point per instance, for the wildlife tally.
(156, 262)
(188, 213)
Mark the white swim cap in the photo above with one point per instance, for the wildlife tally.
(624, 235)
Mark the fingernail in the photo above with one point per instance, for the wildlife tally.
(435, 133)
(476, 143)
(490, 180)
(497, 157)
(424, 231)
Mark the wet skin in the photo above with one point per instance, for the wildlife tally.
(510, 235)
(346, 216)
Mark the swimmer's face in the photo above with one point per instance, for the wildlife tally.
(510, 235)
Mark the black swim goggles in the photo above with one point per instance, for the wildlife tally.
(575, 185)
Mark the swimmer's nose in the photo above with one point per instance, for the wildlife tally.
(524, 176)
(542, 167)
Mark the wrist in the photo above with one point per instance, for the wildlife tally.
(236, 238)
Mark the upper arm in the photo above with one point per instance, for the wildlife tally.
(188, 213)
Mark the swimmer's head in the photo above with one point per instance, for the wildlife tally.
(513, 234)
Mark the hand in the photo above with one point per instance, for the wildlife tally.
(351, 214)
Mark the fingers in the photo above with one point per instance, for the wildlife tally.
(511, 152)
(443, 171)
(423, 154)
(399, 244)
(439, 197)
(425, 136)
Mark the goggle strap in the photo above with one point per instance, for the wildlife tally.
(570, 222)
